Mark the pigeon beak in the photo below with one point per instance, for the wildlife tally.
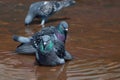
(44, 43)
(66, 29)
(74, 1)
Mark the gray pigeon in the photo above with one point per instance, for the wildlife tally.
(44, 9)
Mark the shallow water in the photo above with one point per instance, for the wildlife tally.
(93, 40)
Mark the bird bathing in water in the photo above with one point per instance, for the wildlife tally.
(49, 51)
(44, 9)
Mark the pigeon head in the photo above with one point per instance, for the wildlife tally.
(28, 19)
(69, 3)
(45, 45)
(63, 27)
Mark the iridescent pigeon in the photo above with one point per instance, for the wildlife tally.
(44, 9)
(47, 50)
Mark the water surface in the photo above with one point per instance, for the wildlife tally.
(93, 40)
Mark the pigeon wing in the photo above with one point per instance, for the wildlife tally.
(59, 48)
(45, 9)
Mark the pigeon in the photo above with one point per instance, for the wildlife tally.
(44, 9)
(47, 50)
(59, 33)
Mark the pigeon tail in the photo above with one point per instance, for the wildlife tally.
(22, 39)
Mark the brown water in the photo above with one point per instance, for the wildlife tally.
(93, 40)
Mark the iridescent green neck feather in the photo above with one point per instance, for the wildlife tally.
(47, 48)
(60, 29)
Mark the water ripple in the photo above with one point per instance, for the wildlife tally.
(93, 69)
(15, 67)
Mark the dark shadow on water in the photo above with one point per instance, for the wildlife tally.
(38, 21)
(57, 19)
